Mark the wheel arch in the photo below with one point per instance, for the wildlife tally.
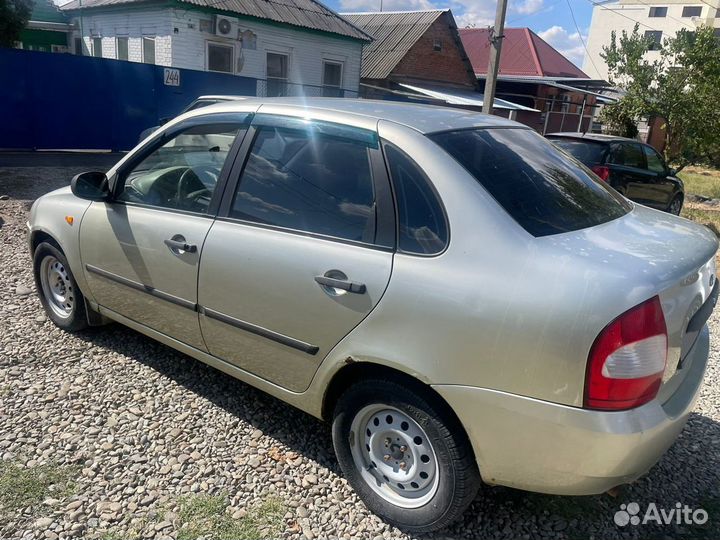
(356, 371)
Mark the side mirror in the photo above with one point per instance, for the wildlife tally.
(671, 172)
(92, 185)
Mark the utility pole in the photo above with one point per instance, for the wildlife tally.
(496, 37)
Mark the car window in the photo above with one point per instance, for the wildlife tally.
(628, 155)
(543, 190)
(308, 181)
(587, 152)
(183, 172)
(422, 227)
(654, 162)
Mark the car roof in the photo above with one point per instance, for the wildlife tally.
(595, 137)
(423, 118)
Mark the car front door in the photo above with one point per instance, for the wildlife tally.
(661, 187)
(301, 251)
(140, 252)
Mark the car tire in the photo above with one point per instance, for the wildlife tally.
(675, 206)
(426, 477)
(57, 288)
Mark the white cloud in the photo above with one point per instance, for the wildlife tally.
(569, 44)
(387, 5)
(474, 13)
(528, 7)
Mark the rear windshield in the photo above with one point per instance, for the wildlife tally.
(540, 187)
(589, 153)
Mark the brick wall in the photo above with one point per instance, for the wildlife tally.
(446, 65)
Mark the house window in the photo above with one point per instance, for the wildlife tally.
(276, 74)
(220, 57)
(122, 48)
(148, 44)
(97, 47)
(692, 11)
(716, 31)
(658, 11)
(332, 79)
(655, 39)
(437, 45)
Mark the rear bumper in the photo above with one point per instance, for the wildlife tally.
(550, 448)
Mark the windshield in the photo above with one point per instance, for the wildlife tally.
(544, 190)
(589, 153)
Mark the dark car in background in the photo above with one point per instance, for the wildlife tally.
(633, 168)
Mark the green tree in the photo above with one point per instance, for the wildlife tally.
(681, 85)
(14, 15)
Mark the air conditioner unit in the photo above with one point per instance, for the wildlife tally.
(226, 27)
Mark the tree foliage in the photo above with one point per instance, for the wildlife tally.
(681, 85)
(14, 15)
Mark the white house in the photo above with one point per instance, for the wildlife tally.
(291, 47)
(656, 20)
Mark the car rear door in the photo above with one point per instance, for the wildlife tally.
(629, 174)
(140, 252)
(301, 251)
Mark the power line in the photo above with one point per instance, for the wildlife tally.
(572, 14)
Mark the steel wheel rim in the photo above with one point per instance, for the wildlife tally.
(394, 456)
(57, 287)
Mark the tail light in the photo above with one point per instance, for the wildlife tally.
(602, 171)
(627, 360)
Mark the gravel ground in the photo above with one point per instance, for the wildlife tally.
(108, 434)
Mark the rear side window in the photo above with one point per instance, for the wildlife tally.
(421, 221)
(628, 155)
(541, 189)
(589, 153)
(310, 182)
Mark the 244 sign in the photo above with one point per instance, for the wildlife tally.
(171, 77)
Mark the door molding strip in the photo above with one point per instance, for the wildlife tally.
(152, 291)
(210, 313)
(260, 331)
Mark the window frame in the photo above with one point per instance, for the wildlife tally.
(127, 47)
(338, 87)
(691, 7)
(655, 45)
(653, 13)
(285, 79)
(385, 225)
(95, 48)
(145, 39)
(117, 182)
(208, 44)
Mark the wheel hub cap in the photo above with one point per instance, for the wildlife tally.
(57, 287)
(394, 456)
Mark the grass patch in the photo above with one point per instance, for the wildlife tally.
(28, 487)
(701, 181)
(709, 218)
(206, 516)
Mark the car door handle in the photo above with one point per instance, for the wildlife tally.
(349, 286)
(180, 245)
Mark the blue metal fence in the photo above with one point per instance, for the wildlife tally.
(61, 101)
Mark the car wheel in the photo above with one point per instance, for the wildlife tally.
(675, 205)
(405, 454)
(59, 293)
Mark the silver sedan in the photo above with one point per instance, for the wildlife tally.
(461, 300)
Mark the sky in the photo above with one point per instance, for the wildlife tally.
(551, 19)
